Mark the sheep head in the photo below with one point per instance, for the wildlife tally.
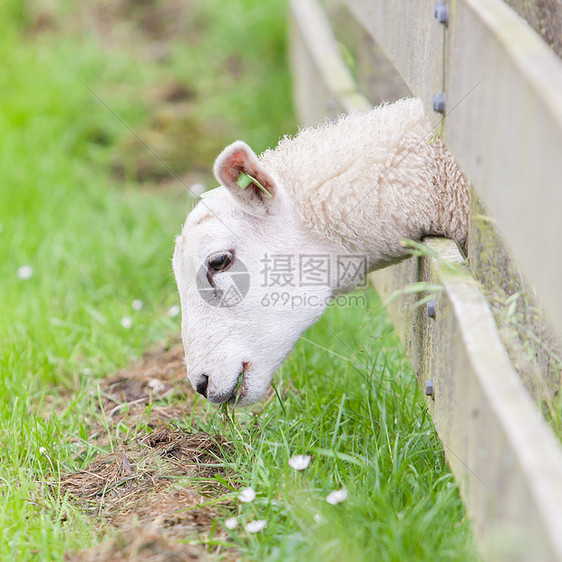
(238, 324)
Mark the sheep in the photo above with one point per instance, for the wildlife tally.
(345, 195)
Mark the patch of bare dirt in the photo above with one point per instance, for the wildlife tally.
(150, 393)
(174, 129)
(152, 488)
(144, 482)
(180, 138)
(148, 23)
(156, 378)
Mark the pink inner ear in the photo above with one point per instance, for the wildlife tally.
(239, 162)
(236, 163)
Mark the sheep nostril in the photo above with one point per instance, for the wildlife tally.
(201, 386)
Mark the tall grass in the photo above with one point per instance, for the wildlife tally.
(352, 402)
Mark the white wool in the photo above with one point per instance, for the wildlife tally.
(370, 180)
(350, 190)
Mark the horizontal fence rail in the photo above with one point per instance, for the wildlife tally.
(506, 460)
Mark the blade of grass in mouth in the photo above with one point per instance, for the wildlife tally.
(238, 389)
(225, 405)
(240, 381)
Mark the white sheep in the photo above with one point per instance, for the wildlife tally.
(305, 222)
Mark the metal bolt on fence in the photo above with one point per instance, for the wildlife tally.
(430, 388)
(431, 306)
(439, 102)
(441, 12)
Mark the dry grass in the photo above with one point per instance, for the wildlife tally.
(149, 487)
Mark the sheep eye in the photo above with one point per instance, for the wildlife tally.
(220, 261)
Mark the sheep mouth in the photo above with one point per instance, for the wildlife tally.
(241, 386)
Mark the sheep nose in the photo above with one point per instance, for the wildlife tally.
(201, 386)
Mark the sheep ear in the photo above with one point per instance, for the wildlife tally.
(239, 170)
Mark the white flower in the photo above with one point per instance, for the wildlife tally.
(318, 518)
(42, 450)
(173, 311)
(87, 371)
(337, 496)
(247, 495)
(156, 385)
(256, 526)
(137, 304)
(127, 322)
(25, 272)
(299, 462)
(231, 523)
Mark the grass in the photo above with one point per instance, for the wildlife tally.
(93, 249)
(351, 401)
(95, 244)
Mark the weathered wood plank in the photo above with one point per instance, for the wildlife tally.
(507, 133)
(506, 461)
(376, 77)
(412, 40)
(323, 85)
(504, 115)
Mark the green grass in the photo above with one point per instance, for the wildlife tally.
(244, 79)
(357, 409)
(93, 248)
(96, 244)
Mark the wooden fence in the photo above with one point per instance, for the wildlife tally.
(501, 116)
